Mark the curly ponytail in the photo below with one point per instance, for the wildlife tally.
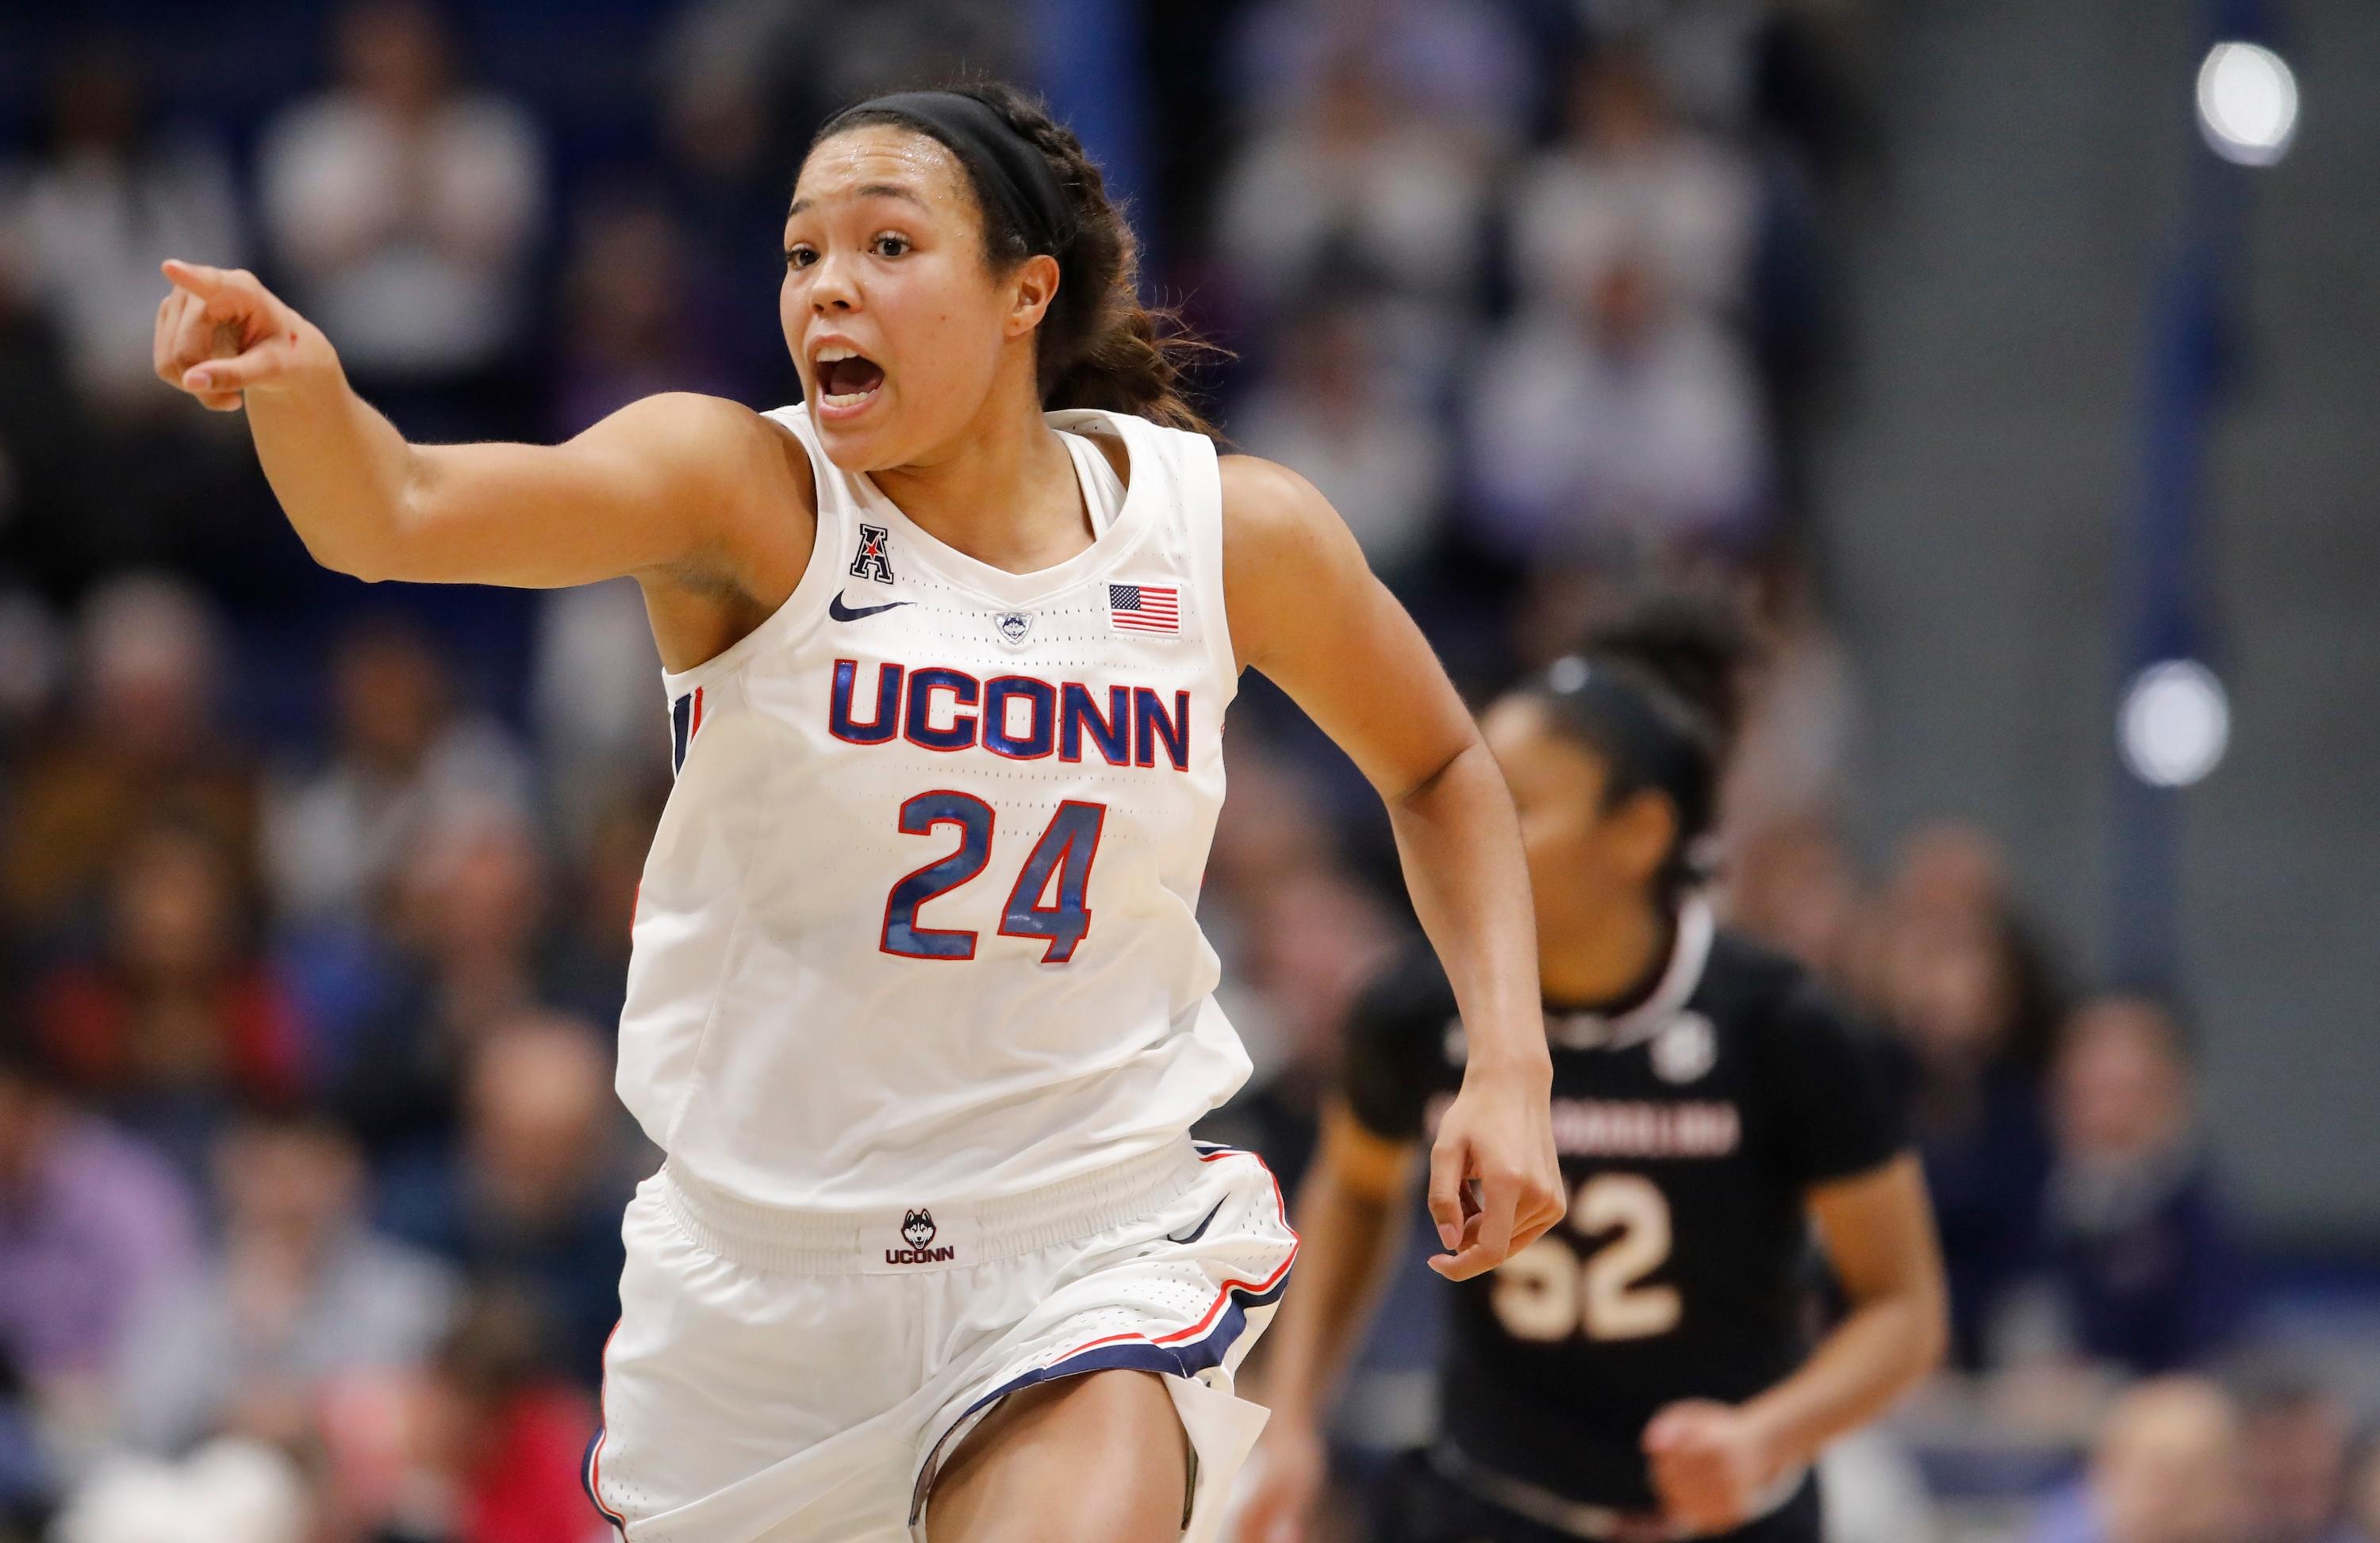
(1098, 346)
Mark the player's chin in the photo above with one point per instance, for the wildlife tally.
(857, 436)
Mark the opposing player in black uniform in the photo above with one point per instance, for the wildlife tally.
(1642, 1372)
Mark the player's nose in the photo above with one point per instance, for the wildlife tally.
(832, 285)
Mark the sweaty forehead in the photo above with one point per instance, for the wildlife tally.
(878, 156)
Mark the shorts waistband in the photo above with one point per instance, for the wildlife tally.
(1600, 1523)
(928, 1235)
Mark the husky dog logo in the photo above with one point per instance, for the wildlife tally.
(1013, 626)
(917, 1231)
(871, 560)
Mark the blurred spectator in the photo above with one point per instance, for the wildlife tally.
(624, 333)
(404, 755)
(2299, 1439)
(1792, 884)
(587, 966)
(45, 447)
(176, 1017)
(89, 1222)
(2166, 1470)
(141, 743)
(1349, 186)
(1457, 64)
(2139, 1240)
(1627, 172)
(113, 194)
(482, 1445)
(1314, 939)
(27, 1490)
(405, 207)
(297, 1290)
(2363, 1501)
(532, 1196)
(1332, 407)
(596, 697)
(810, 57)
(239, 1489)
(1615, 417)
(1959, 983)
(466, 917)
(1792, 753)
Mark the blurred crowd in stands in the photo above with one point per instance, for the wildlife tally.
(314, 899)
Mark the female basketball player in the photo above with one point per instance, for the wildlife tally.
(919, 1008)
(1640, 1374)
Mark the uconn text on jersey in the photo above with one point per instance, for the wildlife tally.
(1024, 718)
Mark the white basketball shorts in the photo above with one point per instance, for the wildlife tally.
(780, 1375)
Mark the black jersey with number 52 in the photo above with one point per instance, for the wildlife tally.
(1690, 1128)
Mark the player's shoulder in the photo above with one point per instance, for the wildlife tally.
(769, 456)
(1770, 994)
(1269, 510)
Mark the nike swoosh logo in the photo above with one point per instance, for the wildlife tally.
(1195, 1233)
(842, 612)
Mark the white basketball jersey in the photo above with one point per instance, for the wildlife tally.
(920, 919)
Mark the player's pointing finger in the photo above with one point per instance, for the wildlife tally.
(196, 277)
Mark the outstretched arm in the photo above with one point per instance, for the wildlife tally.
(665, 487)
(1350, 1220)
(1307, 611)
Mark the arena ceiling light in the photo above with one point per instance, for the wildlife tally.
(2174, 723)
(2247, 103)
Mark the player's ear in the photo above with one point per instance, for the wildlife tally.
(1642, 830)
(1031, 288)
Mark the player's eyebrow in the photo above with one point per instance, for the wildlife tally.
(867, 190)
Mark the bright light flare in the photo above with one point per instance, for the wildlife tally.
(2174, 725)
(2247, 103)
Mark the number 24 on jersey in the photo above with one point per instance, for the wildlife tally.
(1063, 855)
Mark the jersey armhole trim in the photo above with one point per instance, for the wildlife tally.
(1202, 501)
(809, 598)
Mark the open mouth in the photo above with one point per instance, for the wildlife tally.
(846, 379)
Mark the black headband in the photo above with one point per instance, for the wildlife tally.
(1003, 163)
(1654, 739)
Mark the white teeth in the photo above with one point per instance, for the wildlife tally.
(834, 351)
(848, 398)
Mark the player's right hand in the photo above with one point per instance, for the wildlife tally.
(221, 332)
(1290, 1465)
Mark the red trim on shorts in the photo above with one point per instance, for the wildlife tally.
(1207, 1320)
(602, 1434)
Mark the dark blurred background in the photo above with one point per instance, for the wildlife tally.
(2012, 363)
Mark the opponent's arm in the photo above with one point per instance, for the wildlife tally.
(656, 488)
(1350, 1222)
(1307, 611)
(1710, 1461)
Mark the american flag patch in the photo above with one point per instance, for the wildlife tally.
(1144, 608)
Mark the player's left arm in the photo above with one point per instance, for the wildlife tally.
(1307, 611)
(1712, 1460)
(1840, 1138)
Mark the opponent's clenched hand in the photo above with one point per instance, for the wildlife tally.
(221, 332)
(1494, 1182)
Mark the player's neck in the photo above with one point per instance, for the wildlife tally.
(1004, 492)
(1607, 960)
